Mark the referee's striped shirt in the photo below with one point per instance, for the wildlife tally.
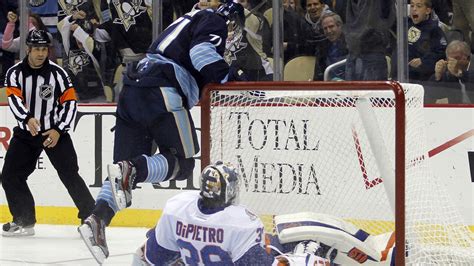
(46, 94)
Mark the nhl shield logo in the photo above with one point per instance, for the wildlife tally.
(46, 92)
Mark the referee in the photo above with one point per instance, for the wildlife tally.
(43, 101)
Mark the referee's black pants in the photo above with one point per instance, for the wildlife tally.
(20, 162)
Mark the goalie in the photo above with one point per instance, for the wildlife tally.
(208, 227)
(200, 228)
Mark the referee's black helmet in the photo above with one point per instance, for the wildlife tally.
(38, 38)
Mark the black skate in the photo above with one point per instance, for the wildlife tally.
(93, 234)
(13, 229)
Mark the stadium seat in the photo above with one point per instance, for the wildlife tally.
(3, 95)
(270, 59)
(300, 68)
(269, 16)
(118, 74)
(327, 71)
(109, 94)
(454, 34)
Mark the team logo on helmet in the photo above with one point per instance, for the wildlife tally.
(46, 91)
(127, 12)
(38, 38)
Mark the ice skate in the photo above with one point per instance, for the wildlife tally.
(13, 229)
(121, 176)
(93, 234)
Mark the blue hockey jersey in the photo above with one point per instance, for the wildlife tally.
(187, 55)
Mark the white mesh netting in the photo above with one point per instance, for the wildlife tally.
(310, 151)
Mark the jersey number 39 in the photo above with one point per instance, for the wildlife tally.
(208, 255)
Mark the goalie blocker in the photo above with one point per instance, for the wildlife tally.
(340, 241)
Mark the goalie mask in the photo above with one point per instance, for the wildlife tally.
(219, 185)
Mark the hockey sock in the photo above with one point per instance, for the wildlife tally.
(157, 166)
(105, 194)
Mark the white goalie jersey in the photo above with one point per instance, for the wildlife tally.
(201, 238)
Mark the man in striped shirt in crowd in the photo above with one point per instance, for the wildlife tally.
(43, 101)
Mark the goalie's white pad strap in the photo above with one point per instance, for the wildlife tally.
(304, 259)
(350, 241)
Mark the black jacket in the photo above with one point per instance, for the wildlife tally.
(426, 41)
(451, 87)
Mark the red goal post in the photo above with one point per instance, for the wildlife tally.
(399, 95)
(353, 150)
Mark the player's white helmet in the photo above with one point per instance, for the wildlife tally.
(220, 184)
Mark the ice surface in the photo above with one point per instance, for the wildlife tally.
(62, 245)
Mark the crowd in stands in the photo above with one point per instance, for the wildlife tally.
(350, 40)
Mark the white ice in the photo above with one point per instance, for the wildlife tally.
(62, 245)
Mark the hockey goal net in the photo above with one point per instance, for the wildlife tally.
(354, 150)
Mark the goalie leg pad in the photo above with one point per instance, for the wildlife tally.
(334, 232)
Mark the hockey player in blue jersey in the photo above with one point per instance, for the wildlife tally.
(209, 227)
(154, 105)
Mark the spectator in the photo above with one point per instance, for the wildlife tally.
(338, 6)
(13, 44)
(314, 10)
(443, 10)
(68, 8)
(294, 5)
(333, 49)
(367, 36)
(131, 31)
(175, 9)
(456, 73)
(82, 55)
(48, 12)
(296, 34)
(244, 49)
(254, 7)
(7, 59)
(426, 41)
(463, 18)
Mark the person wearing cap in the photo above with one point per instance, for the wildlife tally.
(43, 101)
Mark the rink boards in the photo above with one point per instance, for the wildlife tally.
(450, 143)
